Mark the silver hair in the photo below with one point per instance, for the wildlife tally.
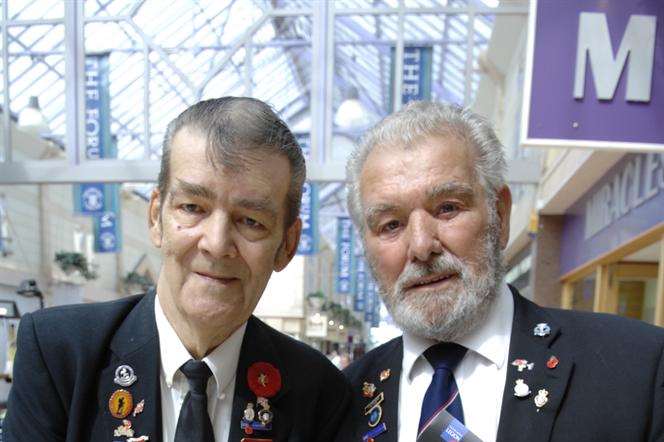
(422, 119)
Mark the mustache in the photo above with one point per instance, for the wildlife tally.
(443, 263)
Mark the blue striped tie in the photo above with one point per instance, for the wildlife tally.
(442, 393)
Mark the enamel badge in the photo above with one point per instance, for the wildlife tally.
(542, 398)
(124, 429)
(368, 390)
(124, 376)
(521, 389)
(138, 409)
(542, 329)
(552, 362)
(522, 364)
(374, 410)
(138, 439)
(374, 432)
(385, 374)
(120, 404)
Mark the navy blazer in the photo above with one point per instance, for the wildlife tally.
(607, 386)
(67, 356)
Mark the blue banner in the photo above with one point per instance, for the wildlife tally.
(344, 256)
(360, 284)
(95, 198)
(416, 74)
(106, 229)
(97, 108)
(370, 288)
(375, 317)
(309, 215)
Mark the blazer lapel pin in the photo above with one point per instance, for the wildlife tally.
(542, 329)
(264, 381)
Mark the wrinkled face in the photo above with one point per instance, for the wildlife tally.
(432, 239)
(221, 233)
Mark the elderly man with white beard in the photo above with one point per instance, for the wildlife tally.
(477, 361)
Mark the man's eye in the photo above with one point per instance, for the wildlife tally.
(250, 222)
(390, 226)
(191, 208)
(448, 208)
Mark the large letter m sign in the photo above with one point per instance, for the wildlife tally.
(594, 43)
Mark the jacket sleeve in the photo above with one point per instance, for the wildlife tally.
(657, 426)
(35, 411)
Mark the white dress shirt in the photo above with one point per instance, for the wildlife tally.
(174, 387)
(480, 375)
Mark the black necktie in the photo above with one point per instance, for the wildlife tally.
(194, 423)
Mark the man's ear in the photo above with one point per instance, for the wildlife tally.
(288, 246)
(154, 218)
(504, 209)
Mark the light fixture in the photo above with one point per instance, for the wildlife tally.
(352, 115)
(341, 326)
(331, 323)
(29, 289)
(32, 118)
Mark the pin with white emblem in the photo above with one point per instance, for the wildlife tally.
(542, 329)
(522, 364)
(124, 376)
(521, 389)
(541, 399)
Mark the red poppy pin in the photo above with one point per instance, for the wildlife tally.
(264, 379)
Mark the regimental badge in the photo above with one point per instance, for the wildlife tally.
(521, 389)
(138, 409)
(263, 417)
(522, 364)
(121, 404)
(124, 376)
(264, 414)
(368, 390)
(124, 429)
(374, 432)
(542, 329)
(541, 399)
(385, 374)
(249, 413)
(374, 410)
(552, 362)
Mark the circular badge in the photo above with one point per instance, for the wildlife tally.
(120, 404)
(264, 379)
(124, 376)
(375, 415)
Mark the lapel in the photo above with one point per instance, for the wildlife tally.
(520, 419)
(136, 344)
(257, 346)
(390, 358)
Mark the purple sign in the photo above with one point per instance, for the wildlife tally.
(627, 201)
(596, 74)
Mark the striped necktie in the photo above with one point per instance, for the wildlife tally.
(442, 393)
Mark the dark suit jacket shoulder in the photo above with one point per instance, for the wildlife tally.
(607, 383)
(67, 356)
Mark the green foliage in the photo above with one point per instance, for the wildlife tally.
(136, 279)
(72, 261)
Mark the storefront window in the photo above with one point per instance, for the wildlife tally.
(583, 297)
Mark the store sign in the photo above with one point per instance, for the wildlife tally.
(344, 255)
(308, 244)
(601, 85)
(626, 202)
(416, 74)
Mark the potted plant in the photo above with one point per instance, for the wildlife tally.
(70, 262)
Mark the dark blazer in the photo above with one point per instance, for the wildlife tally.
(66, 361)
(607, 386)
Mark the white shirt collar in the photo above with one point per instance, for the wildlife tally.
(222, 361)
(490, 339)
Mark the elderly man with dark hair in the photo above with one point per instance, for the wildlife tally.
(477, 361)
(188, 361)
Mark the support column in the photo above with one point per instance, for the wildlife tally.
(545, 267)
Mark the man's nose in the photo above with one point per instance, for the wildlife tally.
(217, 237)
(423, 237)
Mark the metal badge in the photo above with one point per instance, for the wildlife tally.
(552, 362)
(374, 432)
(542, 398)
(124, 429)
(385, 374)
(374, 410)
(120, 404)
(368, 390)
(542, 329)
(124, 376)
(138, 439)
(249, 413)
(521, 389)
(522, 364)
(138, 409)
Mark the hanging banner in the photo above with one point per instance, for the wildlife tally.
(95, 198)
(106, 230)
(370, 289)
(309, 215)
(416, 83)
(375, 317)
(97, 107)
(344, 256)
(360, 284)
